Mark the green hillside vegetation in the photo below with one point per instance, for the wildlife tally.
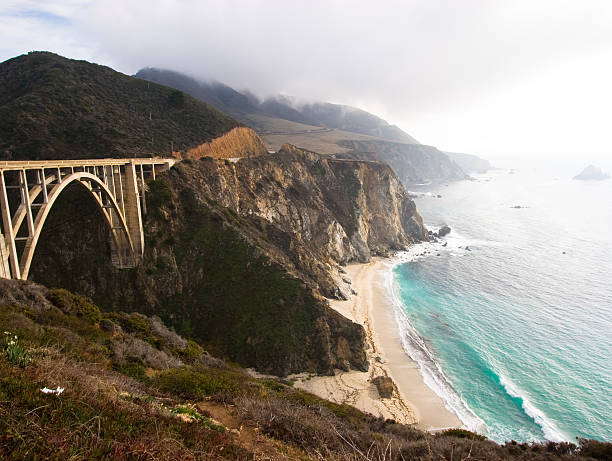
(132, 389)
(57, 108)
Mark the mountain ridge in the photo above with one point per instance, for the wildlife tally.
(326, 128)
(243, 106)
(54, 107)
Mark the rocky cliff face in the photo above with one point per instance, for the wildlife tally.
(343, 210)
(239, 254)
(413, 163)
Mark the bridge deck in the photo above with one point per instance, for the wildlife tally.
(34, 164)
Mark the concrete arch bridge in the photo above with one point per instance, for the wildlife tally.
(28, 190)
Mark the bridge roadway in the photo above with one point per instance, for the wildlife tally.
(31, 187)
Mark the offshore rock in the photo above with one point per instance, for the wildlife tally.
(592, 173)
(444, 230)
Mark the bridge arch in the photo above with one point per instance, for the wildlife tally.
(117, 186)
(122, 248)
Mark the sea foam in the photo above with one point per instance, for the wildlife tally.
(551, 432)
(416, 348)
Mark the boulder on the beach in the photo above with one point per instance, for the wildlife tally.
(384, 384)
(444, 230)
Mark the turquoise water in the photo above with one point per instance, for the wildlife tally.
(515, 334)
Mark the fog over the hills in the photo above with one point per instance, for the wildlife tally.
(495, 78)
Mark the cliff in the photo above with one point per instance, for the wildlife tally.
(239, 254)
(343, 210)
(52, 107)
(413, 163)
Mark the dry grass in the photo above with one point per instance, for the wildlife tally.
(239, 142)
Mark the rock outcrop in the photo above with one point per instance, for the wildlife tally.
(443, 231)
(343, 210)
(384, 384)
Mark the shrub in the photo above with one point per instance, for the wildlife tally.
(133, 369)
(71, 303)
(595, 449)
(159, 193)
(134, 323)
(461, 434)
(190, 384)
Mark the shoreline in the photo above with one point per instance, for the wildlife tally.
(413, 402)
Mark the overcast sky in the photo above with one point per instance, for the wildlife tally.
(491, 77)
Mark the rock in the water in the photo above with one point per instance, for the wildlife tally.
(592, 173)
(444, 230)
(378, 359)
(384, 384)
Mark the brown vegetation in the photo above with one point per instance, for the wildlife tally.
(239, 142)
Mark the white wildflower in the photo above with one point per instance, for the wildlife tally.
(46, 390)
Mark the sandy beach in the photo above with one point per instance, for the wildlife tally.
(413, 402)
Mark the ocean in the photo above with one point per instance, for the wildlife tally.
(514, 331)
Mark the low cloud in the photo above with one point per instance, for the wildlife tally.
(405, 60)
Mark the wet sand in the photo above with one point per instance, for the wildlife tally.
(412, 402)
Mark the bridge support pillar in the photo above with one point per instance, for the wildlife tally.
(133, 215)
(5, 271)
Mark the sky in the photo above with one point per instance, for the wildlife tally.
(497, 78)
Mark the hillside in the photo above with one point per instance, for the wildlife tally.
(53, 107)
(322, 127)
(245, 107)
(414, 164)
(133, 389)
(469, 163)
